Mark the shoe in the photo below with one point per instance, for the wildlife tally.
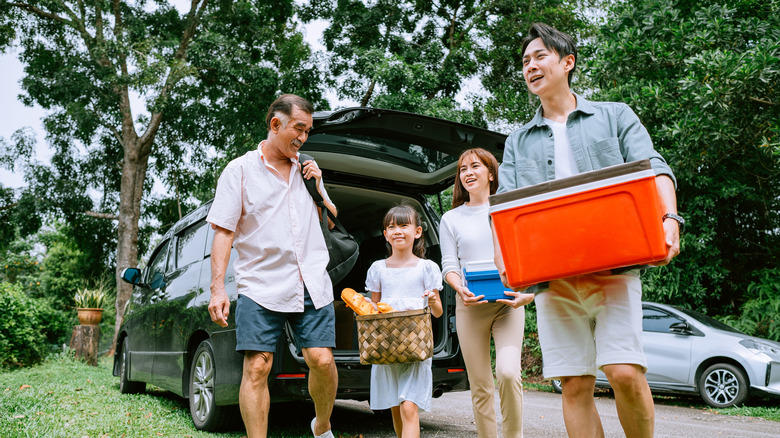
(327, 434)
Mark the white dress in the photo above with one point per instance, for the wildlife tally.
(403, 288)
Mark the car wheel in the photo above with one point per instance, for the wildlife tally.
(203, 409)
(126, 386)
(723, 385)
(556, 386)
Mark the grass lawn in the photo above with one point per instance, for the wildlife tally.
(66, 398)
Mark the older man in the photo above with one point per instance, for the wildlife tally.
(263, 209)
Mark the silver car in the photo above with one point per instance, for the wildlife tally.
(688, 352)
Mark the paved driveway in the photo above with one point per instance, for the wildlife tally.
(452, 417)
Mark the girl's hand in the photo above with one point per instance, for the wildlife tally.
(520, 299)
(468, 297)
(373, 304)
(434, 302)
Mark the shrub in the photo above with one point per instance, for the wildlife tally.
(761, 313)
(28, 326)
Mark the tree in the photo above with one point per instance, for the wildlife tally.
(407, 55)
(207, 77)
(702, 76)
(505, 25)
(415, 55)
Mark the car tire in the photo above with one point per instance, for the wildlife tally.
(127, 386)
(205, 413)
(723, 385)
(556, 386)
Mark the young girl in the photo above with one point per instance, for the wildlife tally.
(406, 281)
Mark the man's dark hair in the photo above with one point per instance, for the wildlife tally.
(284, 104)
(554, 40)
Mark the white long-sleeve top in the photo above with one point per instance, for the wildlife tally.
(465, 236)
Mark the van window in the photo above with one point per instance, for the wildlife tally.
(191, 244)
(156, 271)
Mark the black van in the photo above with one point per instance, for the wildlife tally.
(372, 159)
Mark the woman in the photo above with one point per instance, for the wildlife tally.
(466, 236)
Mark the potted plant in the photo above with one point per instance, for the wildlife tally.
(89, 305)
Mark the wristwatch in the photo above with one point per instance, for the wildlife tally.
(674, 216)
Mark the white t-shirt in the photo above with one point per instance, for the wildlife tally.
(465, 236)
(564, 157)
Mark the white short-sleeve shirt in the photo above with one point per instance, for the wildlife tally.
(278, 235)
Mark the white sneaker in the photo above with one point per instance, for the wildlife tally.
(327, 434)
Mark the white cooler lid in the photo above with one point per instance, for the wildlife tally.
(480, 265)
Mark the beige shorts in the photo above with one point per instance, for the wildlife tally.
(589, 321)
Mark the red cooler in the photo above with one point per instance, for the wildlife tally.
(594, 221)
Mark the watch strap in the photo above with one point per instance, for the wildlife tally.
(675, 217)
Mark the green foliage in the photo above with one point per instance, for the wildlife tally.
(760, 315)
(28, 327)
(19, 263)
(702, 76)
(90, 298)
(505, 25)
(446, 201)
(207, 76)
(406, 55)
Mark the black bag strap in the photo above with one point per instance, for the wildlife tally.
(311, 186)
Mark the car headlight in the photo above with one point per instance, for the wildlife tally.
(761, 347)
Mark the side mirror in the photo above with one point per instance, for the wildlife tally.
(132, 276)
(682, 328)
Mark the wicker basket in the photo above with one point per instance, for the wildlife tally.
(395, 337)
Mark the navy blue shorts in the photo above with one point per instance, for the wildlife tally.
(259, 329)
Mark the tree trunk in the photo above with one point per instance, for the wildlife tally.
(84, 341)
(131, 191)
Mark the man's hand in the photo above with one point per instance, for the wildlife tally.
(310, 170)
(668, 200)
(520, 299)
(219, 307)
(672, 235)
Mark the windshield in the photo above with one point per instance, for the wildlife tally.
(709, 321)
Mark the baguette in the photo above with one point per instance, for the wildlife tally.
(384, 307)
(357, 302)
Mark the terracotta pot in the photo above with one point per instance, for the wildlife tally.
(90, 316)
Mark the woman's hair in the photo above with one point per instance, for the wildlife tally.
(459, 193)
(402, 215)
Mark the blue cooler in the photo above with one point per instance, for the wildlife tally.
(482, 279)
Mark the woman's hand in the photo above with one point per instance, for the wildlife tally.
(468, 297)
(520, 299)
